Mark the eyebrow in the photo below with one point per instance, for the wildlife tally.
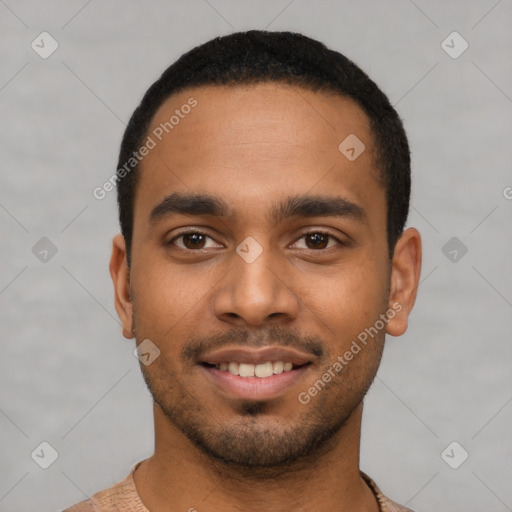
(294, 206)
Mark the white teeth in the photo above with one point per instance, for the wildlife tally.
(233, 368)
(246, 370)
(278, 367)
(261, 370)
(264, 370)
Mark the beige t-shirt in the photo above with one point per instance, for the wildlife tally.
(123, 497)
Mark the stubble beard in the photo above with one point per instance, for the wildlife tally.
(256, 443)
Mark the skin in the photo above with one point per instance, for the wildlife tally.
(254, 146)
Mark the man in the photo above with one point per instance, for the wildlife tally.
(263, 187)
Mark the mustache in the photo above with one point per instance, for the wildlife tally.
(274, 335)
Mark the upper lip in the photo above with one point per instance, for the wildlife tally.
(256, 356)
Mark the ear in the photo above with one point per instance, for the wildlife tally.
(405, 275)
(120, 274)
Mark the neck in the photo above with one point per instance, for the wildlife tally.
(180, 474)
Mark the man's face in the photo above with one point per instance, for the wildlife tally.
(292, 270)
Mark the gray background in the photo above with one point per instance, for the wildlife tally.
(68, 377)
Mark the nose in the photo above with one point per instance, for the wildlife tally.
(255, 293)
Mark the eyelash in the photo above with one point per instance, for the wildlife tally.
(313, 232)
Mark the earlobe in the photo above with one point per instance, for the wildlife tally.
(120, 274)
(405, 274)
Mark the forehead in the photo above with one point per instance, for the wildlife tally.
(254, 113)
(254, 141)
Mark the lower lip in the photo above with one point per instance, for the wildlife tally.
(255, 388)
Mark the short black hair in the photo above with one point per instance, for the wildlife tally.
(257, 56)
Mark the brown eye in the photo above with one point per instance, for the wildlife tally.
(317, 240)
(193, 240)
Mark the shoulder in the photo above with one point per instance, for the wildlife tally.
(122, 496)
(83, 506)
(386, 505)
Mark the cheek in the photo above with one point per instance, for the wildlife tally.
(351, 293)
(344, 306)
(166, 298)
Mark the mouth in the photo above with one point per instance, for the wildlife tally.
(261, 374)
